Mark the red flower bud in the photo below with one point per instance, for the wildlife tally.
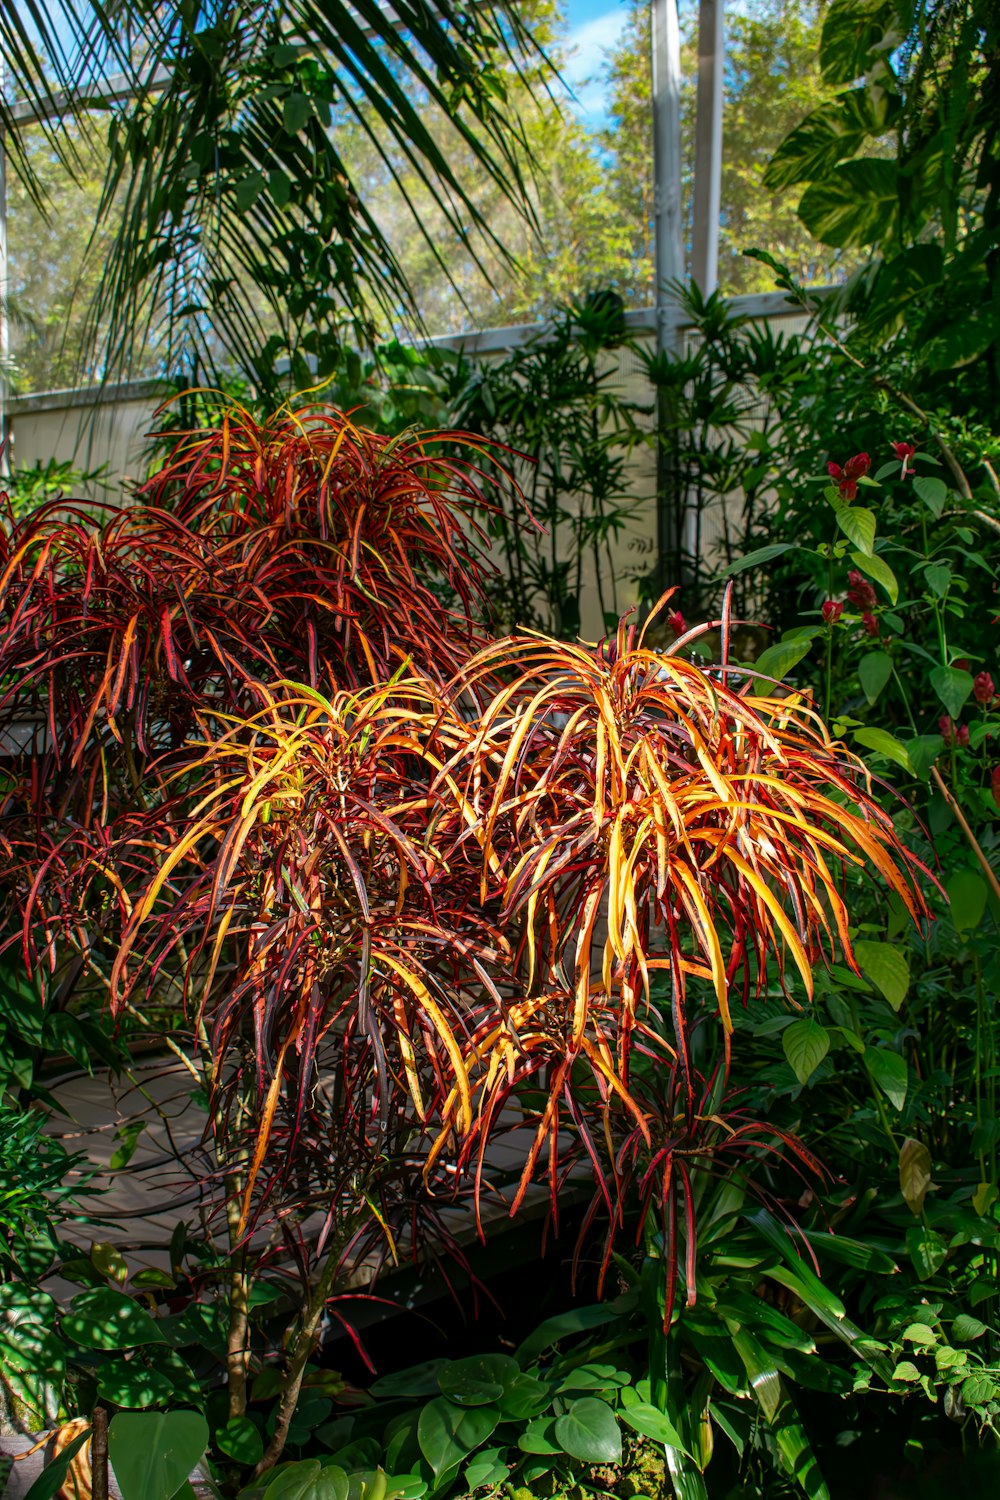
(946, 728)
(962, 734)
(995, 784)
(869, 624)
(983, 688)
(860, 594)
(832, 611)
(904, 451)
(846, 478)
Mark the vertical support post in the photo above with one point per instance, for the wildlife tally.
(4, 316)
(665, 42)
(667, 208)
(708, 145)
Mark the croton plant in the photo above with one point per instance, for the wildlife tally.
(389, 886)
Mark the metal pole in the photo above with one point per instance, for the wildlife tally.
(667, 209)
(5, 464)
(665, 39)
(708, 145)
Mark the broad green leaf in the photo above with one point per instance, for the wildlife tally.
(107, 1319)
(914, 1174)
(249, 190)
(153, 1453)
(241, 1441)
(109, 1260)
(933, 492)
(32, 1355)
(652, 1423)
(928, 1251)
(540, 1437)
(524, 1397)
(921, 1334)
(858, 526)
(758, 558)
(886, 967)
(589, 1431)
(778, 660)
(855, 204)
(938, 578)
(967, 895)
(852, 36)
(983, 1200)
(828, 135)
(308, 1480)
(133, 1385)
(884, 743)
(805, 1044)
(965, 1329)
(923, 751)
(418, 1380)
(906, 1370)
(876, 567)
(296, 111)
(478, 1380)
(953, 686)
(890, 1072)
(447, 1433)
(874, 671)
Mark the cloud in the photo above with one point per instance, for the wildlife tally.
(587, 47)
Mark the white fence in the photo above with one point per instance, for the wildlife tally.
(108, 428)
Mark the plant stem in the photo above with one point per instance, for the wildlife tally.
(99, 1454)
(974, 844)
(298, 1357)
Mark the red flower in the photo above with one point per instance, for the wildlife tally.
(846, 478)
(676, 622)
(983, 688)
(861, 594)
(832, 611)
(869, 624)
(995, 784)
(953, 734)
(904, 452)
(962, 734)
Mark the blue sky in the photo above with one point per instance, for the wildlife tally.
(594, 27)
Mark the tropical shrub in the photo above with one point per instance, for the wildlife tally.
(397, 888)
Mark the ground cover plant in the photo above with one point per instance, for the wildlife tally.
(386, 888)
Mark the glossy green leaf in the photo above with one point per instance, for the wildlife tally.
(778, 660)
(153, 1453)
(589, 1431)
(418, 1380)
(779, 1413)
(447, 1433)
(890, 1072)
(107, 1319)
(805, 1044)
(887, 967)
(874, 671)
(967, 895)
(652, 1423)
(966, 1329)
(478, 1380)
(884, 743)
(132, 1384)
(932, 491)
(858, 526)
(853, 205)
(240, 1440)
(524, 1397)
(928, 1251)
(564, 1325)
(953, 686)
(540, 1437)
(758, 558)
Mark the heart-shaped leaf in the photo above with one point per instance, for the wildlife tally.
(107, 1319)
(447, 1433)
(479, 1380)
(589, 1431)
(153, 1453)
(805, 1044)
(886, 967)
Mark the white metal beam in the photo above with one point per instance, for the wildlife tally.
(667, 208)
(708, 145)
